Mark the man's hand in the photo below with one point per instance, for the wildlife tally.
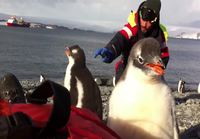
(106, 54)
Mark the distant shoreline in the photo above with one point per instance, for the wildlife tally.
(49, 26)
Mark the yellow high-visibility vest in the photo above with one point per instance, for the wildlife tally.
(164, 29)
(131, 19)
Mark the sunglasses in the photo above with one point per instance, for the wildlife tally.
(148, 15)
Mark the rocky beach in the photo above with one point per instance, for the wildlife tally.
(187, 106)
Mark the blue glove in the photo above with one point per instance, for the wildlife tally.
(106, 54)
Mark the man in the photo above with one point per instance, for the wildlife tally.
(141, 24)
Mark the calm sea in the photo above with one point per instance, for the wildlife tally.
(27, 53)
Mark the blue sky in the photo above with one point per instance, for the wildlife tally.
(107, 13)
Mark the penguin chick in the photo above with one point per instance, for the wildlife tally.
(79, 81)
(141, 105)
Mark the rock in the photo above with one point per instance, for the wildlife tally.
(98, 81)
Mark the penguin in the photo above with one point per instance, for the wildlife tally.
(11, 89)
(42, 78)
(141, 105)
(114, 81)
(79, 81)
(198, 88)
(181, 86)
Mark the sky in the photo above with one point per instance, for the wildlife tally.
(111, 14)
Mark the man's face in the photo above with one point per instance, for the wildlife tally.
(145, 25)
(147, 18)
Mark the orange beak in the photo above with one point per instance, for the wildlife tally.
(158, 68)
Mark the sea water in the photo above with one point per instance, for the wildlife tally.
(28, 52)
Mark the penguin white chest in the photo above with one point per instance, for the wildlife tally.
(134, 107)
(68, 77)
(80, 93)
(137, 101)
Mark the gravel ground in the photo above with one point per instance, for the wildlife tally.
(187, 107)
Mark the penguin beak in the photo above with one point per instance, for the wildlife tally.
(157, 67)
(67, 51)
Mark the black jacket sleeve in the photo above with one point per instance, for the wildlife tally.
(117, 44)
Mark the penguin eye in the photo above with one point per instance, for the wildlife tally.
(140, 60)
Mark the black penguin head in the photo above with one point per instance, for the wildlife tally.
(11, 89)
(76, 55)
(145, 55)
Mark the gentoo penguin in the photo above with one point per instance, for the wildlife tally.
(42, 78)
(11, 89)
(79, 81)
(141, 105)
(181, 86)
(198, 89)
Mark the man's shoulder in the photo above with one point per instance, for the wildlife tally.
(132, 18)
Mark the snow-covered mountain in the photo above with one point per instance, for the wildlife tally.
(184, 32)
